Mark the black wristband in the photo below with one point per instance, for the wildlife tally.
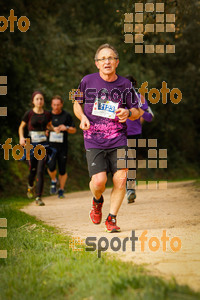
(130, 113)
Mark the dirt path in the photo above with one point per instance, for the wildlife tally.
(176, 210)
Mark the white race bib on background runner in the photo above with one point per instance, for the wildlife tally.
(38, 136)
(104, 109)
(56, 137)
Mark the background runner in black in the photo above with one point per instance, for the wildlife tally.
(58, 140)
(37, 120)
(134, 131)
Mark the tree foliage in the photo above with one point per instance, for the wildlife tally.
(58, 50)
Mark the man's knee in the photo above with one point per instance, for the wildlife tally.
(119, 179)
(99, 180)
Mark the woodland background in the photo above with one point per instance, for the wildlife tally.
(58, 50)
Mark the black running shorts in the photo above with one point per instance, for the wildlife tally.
(100, 160)
(61, 158)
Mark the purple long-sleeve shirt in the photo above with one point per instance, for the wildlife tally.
(135, 127)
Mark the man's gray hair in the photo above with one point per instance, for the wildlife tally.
(105, 46)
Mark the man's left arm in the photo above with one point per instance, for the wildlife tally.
(69, 129)
(132, 110)
(68, 126)
(132, 114)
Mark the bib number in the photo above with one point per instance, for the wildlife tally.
(38, 136)
(56, 137)
(105, 109)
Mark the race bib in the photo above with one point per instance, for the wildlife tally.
(56, 137)
(104, 109)
(38, 136)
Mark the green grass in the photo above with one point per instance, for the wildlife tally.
(40, 265)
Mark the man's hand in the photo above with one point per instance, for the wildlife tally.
(141, 111)
(122, 114)
(62, 127)
(85, 123)
(57, 129)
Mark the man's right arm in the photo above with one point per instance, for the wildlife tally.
(78, 111)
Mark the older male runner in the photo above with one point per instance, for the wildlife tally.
(103, 122)
(58, 140)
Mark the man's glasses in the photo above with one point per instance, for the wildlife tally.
(110, 58)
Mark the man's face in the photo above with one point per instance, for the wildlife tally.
(109, 64)
(56, 106)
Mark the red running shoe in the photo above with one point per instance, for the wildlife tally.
(95, 213)
(111, 225)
